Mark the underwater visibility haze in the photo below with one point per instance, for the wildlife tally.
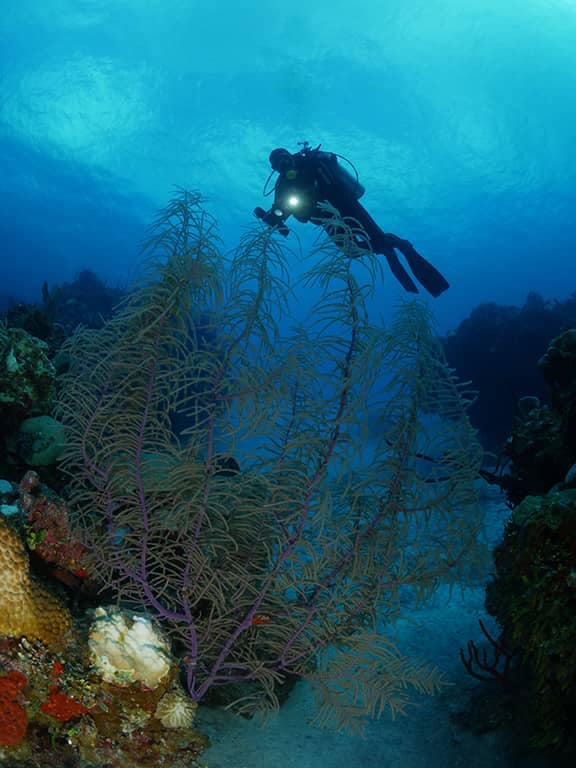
(458, 117)
(271, 479)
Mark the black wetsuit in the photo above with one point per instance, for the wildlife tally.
(316, 177)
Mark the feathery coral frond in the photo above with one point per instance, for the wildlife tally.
(288, 564)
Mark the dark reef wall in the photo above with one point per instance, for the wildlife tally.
(533, 593)
(497, 348)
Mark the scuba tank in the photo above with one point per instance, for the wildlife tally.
(338, 175)
(349, 182)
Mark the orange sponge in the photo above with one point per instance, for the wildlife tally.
(13, 720)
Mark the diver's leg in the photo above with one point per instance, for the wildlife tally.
(372, 240)
(384, 242)
(378, 244)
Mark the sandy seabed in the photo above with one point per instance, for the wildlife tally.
(428, 737)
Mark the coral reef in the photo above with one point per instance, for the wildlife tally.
(48, 532)
(27, 387)
(559, 369)
(533, 598)
(542, 447)
(53, 712)
(533, 593)
(32, 319)
(86, 301)
(53, 701)
(27, 377)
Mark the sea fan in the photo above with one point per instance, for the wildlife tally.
(272, 536)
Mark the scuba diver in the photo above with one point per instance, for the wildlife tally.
(309, 177)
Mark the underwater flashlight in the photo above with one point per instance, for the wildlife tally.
(293, 201)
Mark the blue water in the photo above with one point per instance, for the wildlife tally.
(458, 116)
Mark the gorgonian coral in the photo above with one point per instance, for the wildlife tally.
(289, 558)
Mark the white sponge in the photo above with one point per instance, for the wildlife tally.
(127, 648)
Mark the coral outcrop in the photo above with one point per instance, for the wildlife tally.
(542, 447)
(533, 594)
(27, 609)
(27, 377)
(533, 599)
(48, 532)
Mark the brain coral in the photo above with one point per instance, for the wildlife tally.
(27, 609)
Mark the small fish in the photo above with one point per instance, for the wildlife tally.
(260, 618)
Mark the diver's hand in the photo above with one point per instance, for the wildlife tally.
(273, 221)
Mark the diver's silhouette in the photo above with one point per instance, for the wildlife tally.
(310, 177)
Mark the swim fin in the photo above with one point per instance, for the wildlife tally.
(426, 274)
(398, 271)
